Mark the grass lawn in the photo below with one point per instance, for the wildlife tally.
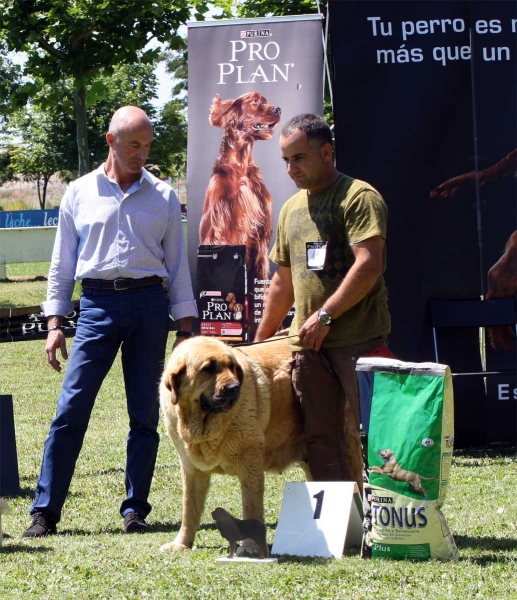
(26, 285)
(91, 558)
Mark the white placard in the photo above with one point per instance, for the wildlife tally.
(318, 519)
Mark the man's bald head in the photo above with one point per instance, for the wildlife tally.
(129, 139)
(128, 118)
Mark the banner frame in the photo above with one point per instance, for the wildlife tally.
(286, 18)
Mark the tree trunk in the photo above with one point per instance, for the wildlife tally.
(43, 200)
(38, 186)
(82, 131)
(42, 193)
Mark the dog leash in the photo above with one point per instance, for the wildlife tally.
(273, 339)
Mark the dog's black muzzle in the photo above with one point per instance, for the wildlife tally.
(223, 400)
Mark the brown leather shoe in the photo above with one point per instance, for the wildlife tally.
(133, 522)
(42, 525)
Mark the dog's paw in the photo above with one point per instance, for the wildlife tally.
(173, 547)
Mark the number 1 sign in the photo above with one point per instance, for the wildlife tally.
(318, 519)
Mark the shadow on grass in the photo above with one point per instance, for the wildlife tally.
(313, 561)
(490, 548)
(166, 527)
(156, 527)
(24, 547)
(507, 452)
(25, 278)
(100, 473)
(117, 470)
(27, 493)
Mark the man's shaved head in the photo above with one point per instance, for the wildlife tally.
(129, 139)
(128, 118)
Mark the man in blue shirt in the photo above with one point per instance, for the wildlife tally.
(120, 234)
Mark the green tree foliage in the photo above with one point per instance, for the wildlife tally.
(275, 8)
(41, 153)
(6, 171)
(83, 39)
(10, 83)
(41, 141)
(127, 84)
(176, 63)
(169, 149)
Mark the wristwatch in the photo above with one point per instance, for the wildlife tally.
(187, 334)
(323, 317)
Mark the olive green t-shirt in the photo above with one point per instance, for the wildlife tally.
(346, 213)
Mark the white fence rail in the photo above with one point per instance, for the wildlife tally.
(30, 244)
(25, 245)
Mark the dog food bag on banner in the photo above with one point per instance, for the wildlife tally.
(407, 417)
(222, 292)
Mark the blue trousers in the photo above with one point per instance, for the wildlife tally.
(137, 322)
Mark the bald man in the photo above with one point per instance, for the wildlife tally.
(120, 235)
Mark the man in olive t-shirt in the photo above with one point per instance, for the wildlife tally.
(330, 254)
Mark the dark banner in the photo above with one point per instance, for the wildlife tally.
(9, 474)
(28, 323)
(23, 324)
(425, 97)
(246, 78)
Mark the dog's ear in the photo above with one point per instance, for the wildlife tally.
(223, 113)
(214, 110)
(173, 381)
(240, 373)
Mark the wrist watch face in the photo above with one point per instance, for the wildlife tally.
(323, 317)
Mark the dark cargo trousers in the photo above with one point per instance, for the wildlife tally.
(326, 385)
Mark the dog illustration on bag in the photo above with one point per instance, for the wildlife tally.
(393, 470)
(237, 207)
(236, 307)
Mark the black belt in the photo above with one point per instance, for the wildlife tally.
(121, 284)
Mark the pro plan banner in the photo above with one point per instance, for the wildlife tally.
(246, 79)
(426, 97)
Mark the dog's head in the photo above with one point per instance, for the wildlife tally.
(385, 455)
(203, 375)
(231, 297)
(249, 113)
(238, 309)
(220, 514)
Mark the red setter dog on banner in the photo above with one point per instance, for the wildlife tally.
(237, 207)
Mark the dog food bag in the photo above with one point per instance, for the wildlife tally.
(408, 434)
(222, 292)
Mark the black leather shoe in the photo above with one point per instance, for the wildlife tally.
(42, 525)
(133, 522)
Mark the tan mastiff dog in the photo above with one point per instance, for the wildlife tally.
(232, 411)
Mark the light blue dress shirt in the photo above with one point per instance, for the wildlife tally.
(104, 233)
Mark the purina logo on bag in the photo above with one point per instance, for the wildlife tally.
(256, 33)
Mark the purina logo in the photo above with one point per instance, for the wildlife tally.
(256, 33)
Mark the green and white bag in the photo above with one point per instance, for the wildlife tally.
(408, 433)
